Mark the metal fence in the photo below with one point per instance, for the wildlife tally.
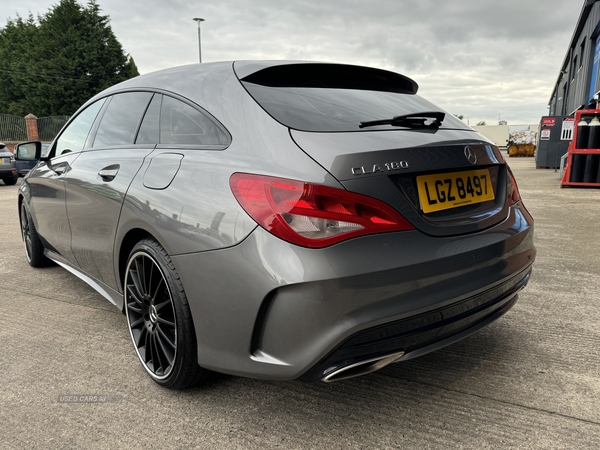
(48, 127)
(12, 128)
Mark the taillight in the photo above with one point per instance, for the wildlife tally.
(312, 215)
(513, 190)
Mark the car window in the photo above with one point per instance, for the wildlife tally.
(148, 133)
(74, 136)
(331, 97)
(45, 150)
(182, 124)
(121, 119)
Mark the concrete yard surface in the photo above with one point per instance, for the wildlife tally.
(70, 377)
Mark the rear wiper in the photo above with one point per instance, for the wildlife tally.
(414, 120)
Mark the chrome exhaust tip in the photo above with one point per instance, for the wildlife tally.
(361, 368)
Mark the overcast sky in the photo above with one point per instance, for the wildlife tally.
(483, 59)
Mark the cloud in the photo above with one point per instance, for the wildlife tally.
(479, 59)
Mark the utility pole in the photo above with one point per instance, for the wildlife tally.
(199, 20)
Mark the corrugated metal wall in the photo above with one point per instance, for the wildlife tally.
(572, 89)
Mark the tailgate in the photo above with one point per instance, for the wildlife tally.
(448, 182)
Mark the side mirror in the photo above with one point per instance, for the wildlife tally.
(28, 151)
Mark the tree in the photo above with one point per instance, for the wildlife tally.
(70, 56)
(481, 123)
(16, 40)
(459, 116)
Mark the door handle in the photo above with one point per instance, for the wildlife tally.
(109, 173)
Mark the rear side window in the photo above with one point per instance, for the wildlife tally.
(149, 130)
(182, 124)
(73, 139)
(121, 119)
(336, 97)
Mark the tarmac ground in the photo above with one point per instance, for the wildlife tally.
(69, 376)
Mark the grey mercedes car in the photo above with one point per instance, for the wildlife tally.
(279, 220)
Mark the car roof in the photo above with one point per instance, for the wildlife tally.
(196, 81)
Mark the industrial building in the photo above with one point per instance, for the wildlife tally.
(578, 81)
(569, 136)
(577, 88)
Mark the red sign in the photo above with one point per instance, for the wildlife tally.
(549, 121)
(570, 119)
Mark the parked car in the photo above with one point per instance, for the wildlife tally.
(280, 220)
(25, 156)
(8, 169)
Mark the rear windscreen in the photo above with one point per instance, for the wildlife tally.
(328, 97)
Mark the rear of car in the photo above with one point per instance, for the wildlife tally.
(8, 168)
(422, 241)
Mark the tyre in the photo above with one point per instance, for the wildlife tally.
(34, 250)
(11, 181)
(159, 318)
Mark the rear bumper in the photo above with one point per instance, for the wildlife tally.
(9, 172)
(424, 333)
(269, 309)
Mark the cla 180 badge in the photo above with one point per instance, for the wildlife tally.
(394, 165)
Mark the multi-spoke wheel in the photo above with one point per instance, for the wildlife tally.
(159, 318)
(33, 246)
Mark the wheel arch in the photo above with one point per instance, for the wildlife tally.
(131, 238)
(20, 200)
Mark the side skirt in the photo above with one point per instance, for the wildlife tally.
(116, 298)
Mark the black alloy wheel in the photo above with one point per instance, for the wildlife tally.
(159, 319)
(33, 245)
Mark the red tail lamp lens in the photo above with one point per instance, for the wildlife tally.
(312, 215)
(513, 190)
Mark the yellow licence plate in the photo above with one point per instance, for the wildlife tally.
(451, 190)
